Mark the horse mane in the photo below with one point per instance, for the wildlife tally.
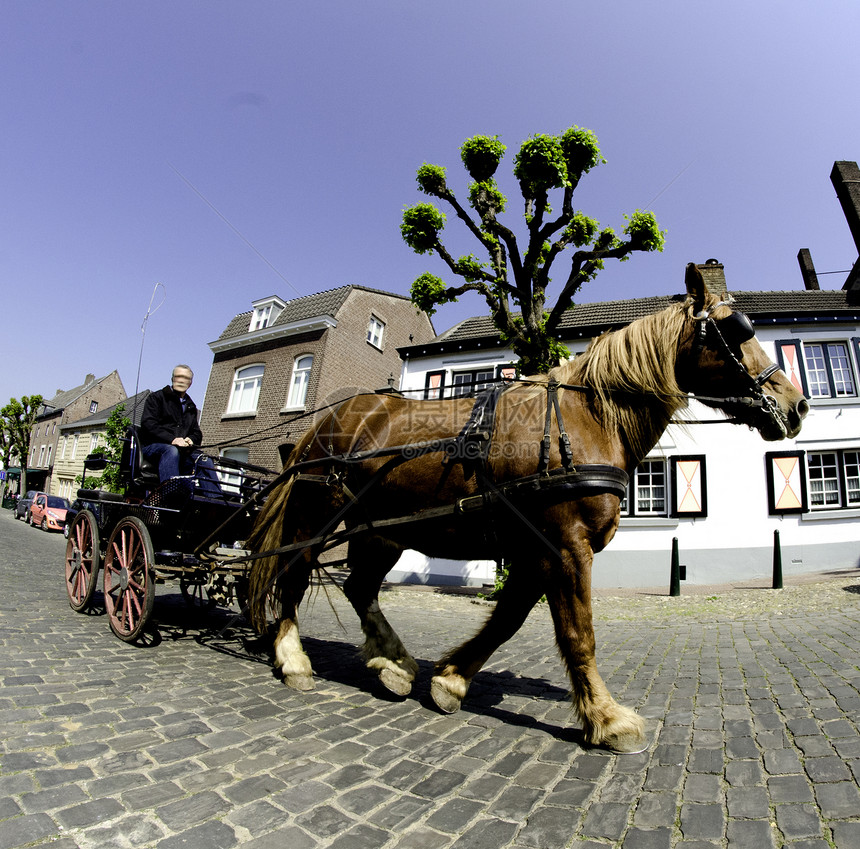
(631, 375)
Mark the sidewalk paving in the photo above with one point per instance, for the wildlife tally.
(192, 742)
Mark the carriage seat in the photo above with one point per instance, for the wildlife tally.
(138, 470)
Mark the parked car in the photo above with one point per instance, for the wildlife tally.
(49, 512)
(25, 502)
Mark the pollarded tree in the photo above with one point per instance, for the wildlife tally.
(17, 419)
(514, 282)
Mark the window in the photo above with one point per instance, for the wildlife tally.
(469, 382)
(262, 316)
(231, 479)
(300, 380)
(94, 442)
(48, 455)
(374, 331)
(834, 479)
(74, 446)
(63, 449)
(246, 389)
(650, 484)
(42, 455)
(266, 312)
(94, 406)
(821, 370)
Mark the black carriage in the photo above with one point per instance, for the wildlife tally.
(182, 529)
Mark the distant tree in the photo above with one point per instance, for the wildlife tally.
(18, 418)
(116, 427)
(511, 280)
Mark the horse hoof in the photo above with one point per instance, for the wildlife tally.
(632, 743)
(300, 682)
(395, 682)
(445, 700)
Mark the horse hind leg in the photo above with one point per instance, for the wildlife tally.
(291, 661)
(369, 561)
(455, 671)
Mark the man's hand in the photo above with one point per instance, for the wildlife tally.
(182, 442)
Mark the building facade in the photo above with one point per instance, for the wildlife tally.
(86, 436)
(277, 363)
(67, 406)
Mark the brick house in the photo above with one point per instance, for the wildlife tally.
(86, 436)
(66, 406)
(282, 359)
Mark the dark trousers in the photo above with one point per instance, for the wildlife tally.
(173, 462)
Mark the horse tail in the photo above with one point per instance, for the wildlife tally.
(267, 535)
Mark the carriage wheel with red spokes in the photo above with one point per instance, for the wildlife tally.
(129, 581)
(82, 560)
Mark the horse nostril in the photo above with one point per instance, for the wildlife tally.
(802, 408)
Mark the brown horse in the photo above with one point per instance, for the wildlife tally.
(614, 402)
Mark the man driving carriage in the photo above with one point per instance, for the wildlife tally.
(171, 436)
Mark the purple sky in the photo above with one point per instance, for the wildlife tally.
(233, 150)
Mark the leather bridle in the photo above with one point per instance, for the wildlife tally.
(726, 335)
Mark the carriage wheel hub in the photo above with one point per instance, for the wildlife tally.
(123, 578)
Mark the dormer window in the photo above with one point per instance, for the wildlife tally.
(266, 312)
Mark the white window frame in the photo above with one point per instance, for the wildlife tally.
(94, 442)
(375, 331)
(833, 479)
(245, 390)
(471, 381)
(74, 446)
(63, 448)
(48, 456)
(41, 456)
(231, 479)
(300, 381)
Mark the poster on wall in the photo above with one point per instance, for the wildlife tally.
(786, 482)
(689, 492)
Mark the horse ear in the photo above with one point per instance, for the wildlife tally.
(696, 287)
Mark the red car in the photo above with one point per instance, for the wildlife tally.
(49, 512)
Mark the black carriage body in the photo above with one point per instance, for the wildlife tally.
(156, 532)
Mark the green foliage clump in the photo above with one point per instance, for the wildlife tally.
(421, 226)
(581, 229)
(581, 151)
(643, 231)
(428, 291)
(431, 179)
(486, 199)
(540, 165)
(481, 156)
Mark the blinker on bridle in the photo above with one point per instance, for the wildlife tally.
(726, 335)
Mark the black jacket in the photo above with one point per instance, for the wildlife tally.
(163, 418)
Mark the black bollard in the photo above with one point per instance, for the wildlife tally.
(675, 577)
(777, 562)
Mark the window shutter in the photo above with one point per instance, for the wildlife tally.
(790, 359)
(689, 489)
(786, 482)
(434, 385)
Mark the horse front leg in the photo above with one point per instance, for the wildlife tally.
(455, 671)
(604, 721)
(370, 560)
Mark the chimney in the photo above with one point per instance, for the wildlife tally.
(89, 379)
(845, 177)
(807, 269)
(714, 275)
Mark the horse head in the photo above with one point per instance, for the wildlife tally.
(722, 363)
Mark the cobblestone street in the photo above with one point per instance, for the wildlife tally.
(192, 742)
